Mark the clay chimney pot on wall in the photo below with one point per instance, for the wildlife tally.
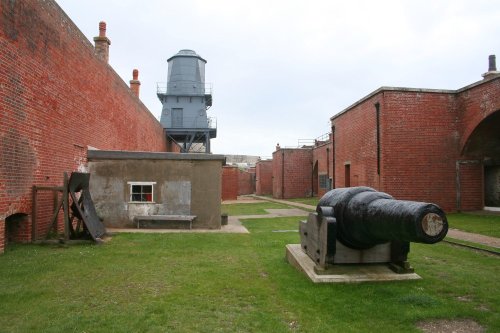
(102, 43)
(135, 83)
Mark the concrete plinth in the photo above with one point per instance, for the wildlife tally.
(343, 273)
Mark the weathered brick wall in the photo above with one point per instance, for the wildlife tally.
(356, 146)
(475, 104)
(419, 146)
(264, 178)
(322, 166)
(421, 139)
(56, 99)
(277, 170)
(292, 173)
(246, 181)
(229, 183)
(470, 192)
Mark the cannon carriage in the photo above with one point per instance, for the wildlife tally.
(359, 225)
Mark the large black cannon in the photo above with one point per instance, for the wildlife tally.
(360, 225)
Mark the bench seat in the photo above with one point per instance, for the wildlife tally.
(163, 221)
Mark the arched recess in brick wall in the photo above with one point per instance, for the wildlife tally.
(483, 145)
(15, 225)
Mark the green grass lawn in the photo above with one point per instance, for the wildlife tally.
(251, 208)
(488, 225)
(308, 201)
(230, 283)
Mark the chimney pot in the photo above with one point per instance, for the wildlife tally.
(492, 63)
(102, 29)
(102, 43)
(135, 84)
(492, 69)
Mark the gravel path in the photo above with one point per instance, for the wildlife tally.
(474, 238)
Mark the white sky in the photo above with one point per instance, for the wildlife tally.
(281, 69)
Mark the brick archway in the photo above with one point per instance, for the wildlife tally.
(484, 140)
(483, 144)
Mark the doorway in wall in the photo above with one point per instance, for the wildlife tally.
(347, 176)
(177, 118)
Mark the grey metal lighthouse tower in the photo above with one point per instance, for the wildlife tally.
(186, 98)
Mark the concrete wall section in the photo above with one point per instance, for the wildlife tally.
(183, 184)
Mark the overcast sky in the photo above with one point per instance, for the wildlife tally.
(281, 69)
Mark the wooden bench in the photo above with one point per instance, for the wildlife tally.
(159, 221)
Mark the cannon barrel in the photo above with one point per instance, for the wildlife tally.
(366, 218)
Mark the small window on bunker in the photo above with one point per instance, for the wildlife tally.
(142, 193)
(12, 224)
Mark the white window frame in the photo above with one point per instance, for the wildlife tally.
(152, 184)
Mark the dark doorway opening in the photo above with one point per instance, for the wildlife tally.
(13, 224)
(347, 175)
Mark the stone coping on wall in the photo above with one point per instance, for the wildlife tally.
(141, 155)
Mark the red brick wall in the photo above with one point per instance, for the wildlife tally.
(419, 146)
(277, 169)
(57, 98)
(322, 157)
(246, 181)
(355, 144)
(421, 139)
(292, 173)
(264, 178)
(471, 194)
(475, 104)
(229, 183)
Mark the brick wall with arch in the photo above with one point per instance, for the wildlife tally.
(58, 98)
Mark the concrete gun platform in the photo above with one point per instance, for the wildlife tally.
(343, 273)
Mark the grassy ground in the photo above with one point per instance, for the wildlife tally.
(251, 208)
(488, 225)
(308, 201)
(230, 283)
